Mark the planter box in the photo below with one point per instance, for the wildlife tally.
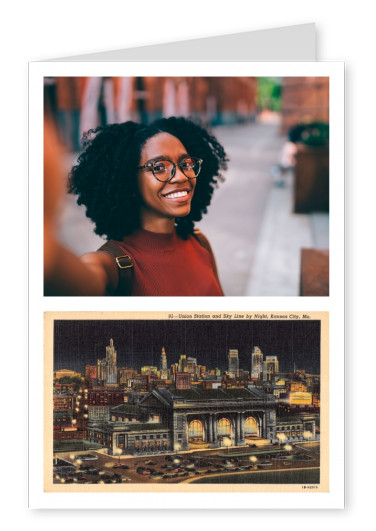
(314, 273)
(311, 187)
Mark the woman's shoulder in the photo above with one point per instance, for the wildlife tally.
(204, 242)
(202, 239)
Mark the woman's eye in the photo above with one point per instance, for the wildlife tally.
(159, 167)
(188, 164)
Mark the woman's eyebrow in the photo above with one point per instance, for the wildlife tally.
(166, 157)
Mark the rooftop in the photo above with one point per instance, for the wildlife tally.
(199, 394)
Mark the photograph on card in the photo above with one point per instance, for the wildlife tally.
(186, 186)
(186, 402)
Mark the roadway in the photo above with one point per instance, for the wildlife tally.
(194, 465)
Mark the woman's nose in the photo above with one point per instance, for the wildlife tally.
(178, 176)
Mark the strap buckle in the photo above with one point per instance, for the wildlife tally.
(124, 266)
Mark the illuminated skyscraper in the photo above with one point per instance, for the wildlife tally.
(271, 367)
(233, 362)
(257, 362)
(163, 364)
(182, 363)
(107, 368)
(192, 365)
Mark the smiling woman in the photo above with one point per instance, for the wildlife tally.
(144, 187)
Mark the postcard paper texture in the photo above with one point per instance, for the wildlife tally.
(186, 402)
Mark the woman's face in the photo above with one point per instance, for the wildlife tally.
(162, 202)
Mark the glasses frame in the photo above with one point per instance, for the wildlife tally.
(150, 166)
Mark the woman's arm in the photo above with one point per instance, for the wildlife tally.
(64, 272)
(68, 274)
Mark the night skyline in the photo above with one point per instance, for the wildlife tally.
(139, 342)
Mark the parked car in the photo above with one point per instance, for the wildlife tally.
(86, 457)
(82, 478)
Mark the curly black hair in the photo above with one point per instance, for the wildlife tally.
(105, 176)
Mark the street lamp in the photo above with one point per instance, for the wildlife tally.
(118, 452)
(307, 435)
(227, 442)
(78, 463)
(281, 437)
(177, 447)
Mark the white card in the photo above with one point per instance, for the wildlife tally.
(229, 57)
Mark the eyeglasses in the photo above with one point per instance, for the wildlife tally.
(165, 170)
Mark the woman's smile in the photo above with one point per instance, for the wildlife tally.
(179, 195)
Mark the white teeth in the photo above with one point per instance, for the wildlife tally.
(177, 194)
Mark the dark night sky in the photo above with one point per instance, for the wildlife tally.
(80, 343)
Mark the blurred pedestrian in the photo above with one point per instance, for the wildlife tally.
(68, 100)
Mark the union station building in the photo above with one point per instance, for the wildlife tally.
(172, 420)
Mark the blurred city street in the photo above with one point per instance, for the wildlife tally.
(254, 233)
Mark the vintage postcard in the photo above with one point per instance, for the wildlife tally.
(186, 402)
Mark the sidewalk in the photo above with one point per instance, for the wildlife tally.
(255, 235)
(276, 267)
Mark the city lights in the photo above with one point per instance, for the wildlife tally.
(151, 413)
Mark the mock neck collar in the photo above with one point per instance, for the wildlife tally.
(153, 241)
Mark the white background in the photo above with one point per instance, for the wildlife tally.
(43, 29)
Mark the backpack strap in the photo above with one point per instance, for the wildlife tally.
(125, 264)
(204, 242)
(125, 268)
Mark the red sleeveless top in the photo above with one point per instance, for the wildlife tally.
(166, 265)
